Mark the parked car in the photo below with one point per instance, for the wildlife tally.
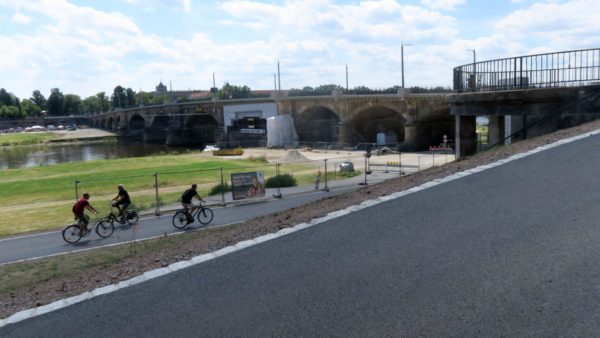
(71, 127)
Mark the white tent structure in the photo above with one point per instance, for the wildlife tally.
(281, 131)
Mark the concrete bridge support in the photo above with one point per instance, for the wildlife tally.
(465, 136)
(410, 136)
(496, 130)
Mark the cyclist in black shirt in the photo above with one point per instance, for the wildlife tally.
(122, 200)
(186, 201)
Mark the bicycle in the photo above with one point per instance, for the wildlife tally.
(72, 232)
(131, 217)
(203, 214)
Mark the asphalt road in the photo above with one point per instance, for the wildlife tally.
(509, 252)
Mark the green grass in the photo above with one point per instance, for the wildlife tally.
(40, 198)
(482, 130)
(26, 138)
(28, 274)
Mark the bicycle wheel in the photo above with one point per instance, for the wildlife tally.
(132, 217)
(105, 228)
(71, 234)
(180, 219)
(205, 216)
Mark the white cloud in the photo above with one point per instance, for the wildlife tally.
(21, 19)
(443, 4)
(554, 25)
(376, 20)
(187, 5)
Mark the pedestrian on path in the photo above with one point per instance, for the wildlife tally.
(318, 179)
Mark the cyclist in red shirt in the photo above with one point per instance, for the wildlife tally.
(78, 210)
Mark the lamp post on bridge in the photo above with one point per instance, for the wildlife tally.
(473, 85)
(402, 60)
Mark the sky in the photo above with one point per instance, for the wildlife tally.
(85, 47)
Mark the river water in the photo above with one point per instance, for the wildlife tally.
(40, 155)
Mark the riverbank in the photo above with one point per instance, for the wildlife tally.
(58, 136)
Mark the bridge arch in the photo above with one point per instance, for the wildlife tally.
(367, 122)
(160, 121)
(318, 124)
(200, 128)
(136, 121)
(110, 124)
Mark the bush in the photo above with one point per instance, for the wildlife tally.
(261, 159)
(346, 173)
(219, 188)
(282, 181)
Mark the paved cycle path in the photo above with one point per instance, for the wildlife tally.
(51, 243)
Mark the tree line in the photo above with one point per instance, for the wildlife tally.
(59, 104)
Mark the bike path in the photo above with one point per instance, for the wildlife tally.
(510, 251)
(149, 226)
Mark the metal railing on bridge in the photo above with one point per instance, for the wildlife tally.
(560, 69)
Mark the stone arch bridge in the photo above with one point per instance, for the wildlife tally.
(415, 120)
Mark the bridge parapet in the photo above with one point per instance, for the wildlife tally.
(559, 69)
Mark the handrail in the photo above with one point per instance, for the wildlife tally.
(557, 69)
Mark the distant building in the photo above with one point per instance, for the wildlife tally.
(161, 88)
(246, 124)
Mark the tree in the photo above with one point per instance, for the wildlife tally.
(90, 105)
(6, 98)
(234, 92)
(55, 102)
(29, 108)
(130, 94)
(119, 97)
(9, 111)
(104, 104)
(72, 104)
(38, 99)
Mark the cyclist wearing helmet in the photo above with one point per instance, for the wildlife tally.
(186, 201)
(78, 210)
(122, 200)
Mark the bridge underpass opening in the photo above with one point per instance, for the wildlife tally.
(116, 124)
(430, 132)
(136, 127)
(372, 121)
(200, 129)
(157, 132)
(318, 124)
(110, 124)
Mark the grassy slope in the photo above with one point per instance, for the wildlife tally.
(26, 138)
(41, 198)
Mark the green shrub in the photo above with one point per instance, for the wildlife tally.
(261, 159)
(347, 173)
(219, 188)
(282, 181)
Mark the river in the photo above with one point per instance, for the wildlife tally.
(46, 154)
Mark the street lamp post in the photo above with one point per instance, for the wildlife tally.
(402, 60)
(474, 85)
